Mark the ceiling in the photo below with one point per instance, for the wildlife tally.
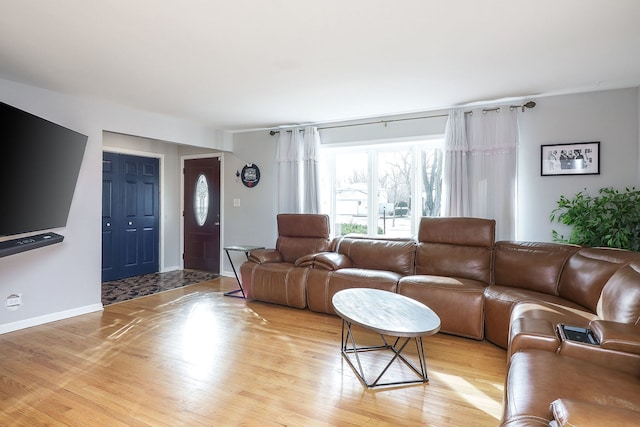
(255, 64)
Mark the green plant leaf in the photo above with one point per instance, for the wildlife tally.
(610, 219)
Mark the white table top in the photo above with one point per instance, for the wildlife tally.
(243, 248)
(386, 312)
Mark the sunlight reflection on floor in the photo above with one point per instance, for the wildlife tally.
(200, 341)
(470, 393)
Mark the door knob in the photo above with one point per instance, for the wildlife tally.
(216, 223)
(130, 223)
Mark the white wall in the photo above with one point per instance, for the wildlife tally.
(62, 280)
(396, 128)
(610, 117)
(254, 221)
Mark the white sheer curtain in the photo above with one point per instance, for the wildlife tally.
(493, 141)
(310, 178)
(455, 182)
(288, 166)
(481, 181)
(297, 157)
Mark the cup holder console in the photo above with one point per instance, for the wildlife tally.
(576, 333)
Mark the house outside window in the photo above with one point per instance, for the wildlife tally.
(382, 189)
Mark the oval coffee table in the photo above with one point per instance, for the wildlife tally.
(388, 314)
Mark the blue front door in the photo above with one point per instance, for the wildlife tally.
(130, 216)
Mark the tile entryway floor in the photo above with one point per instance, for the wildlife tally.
(138, 286)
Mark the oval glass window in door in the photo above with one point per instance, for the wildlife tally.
(201, 200)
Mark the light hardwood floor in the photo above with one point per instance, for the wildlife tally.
(192, 356)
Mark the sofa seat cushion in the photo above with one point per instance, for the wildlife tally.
(499, 300)
(322, 285)
(533, 324)
(536, 378)
(279, 283)
(458, 302)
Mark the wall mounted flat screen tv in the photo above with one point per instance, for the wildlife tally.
(39, 166)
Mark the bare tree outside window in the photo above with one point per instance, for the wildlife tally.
(431, 171)
(394, 183)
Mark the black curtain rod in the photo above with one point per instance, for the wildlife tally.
(530, 104)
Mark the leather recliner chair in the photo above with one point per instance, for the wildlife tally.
(271, 275)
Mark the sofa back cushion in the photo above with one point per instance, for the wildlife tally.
(587, 271)
(534, 266)
(397, 255)
(302, 234)
(456, 247)
(620, 299)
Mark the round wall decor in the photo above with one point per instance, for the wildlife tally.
(250, 175)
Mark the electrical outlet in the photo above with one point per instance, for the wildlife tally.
(13, 301)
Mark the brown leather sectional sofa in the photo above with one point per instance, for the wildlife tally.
(514, 294)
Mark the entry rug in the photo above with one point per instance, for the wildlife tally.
(138, 286)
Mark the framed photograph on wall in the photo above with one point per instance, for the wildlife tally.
(581, 158)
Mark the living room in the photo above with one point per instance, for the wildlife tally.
(607, 112)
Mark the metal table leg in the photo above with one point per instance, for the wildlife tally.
(241, 289)
(349, 347)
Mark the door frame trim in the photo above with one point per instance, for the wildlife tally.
(201, 156)
(161, 161)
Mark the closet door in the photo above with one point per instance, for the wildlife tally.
(130, 216)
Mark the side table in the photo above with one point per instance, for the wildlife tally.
(239, 248)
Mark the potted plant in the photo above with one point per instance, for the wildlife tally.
(612, 218)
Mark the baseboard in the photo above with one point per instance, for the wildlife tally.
(41, 320)
(228, 274)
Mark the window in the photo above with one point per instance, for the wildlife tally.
(201, 200)
(381, 189)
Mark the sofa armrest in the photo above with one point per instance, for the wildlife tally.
(617, 336)
(263, 256)
(307, 260)
(567, 412)
(325, 261)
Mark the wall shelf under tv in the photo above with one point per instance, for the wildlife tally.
(14, 246)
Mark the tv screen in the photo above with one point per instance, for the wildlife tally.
(39, 166)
